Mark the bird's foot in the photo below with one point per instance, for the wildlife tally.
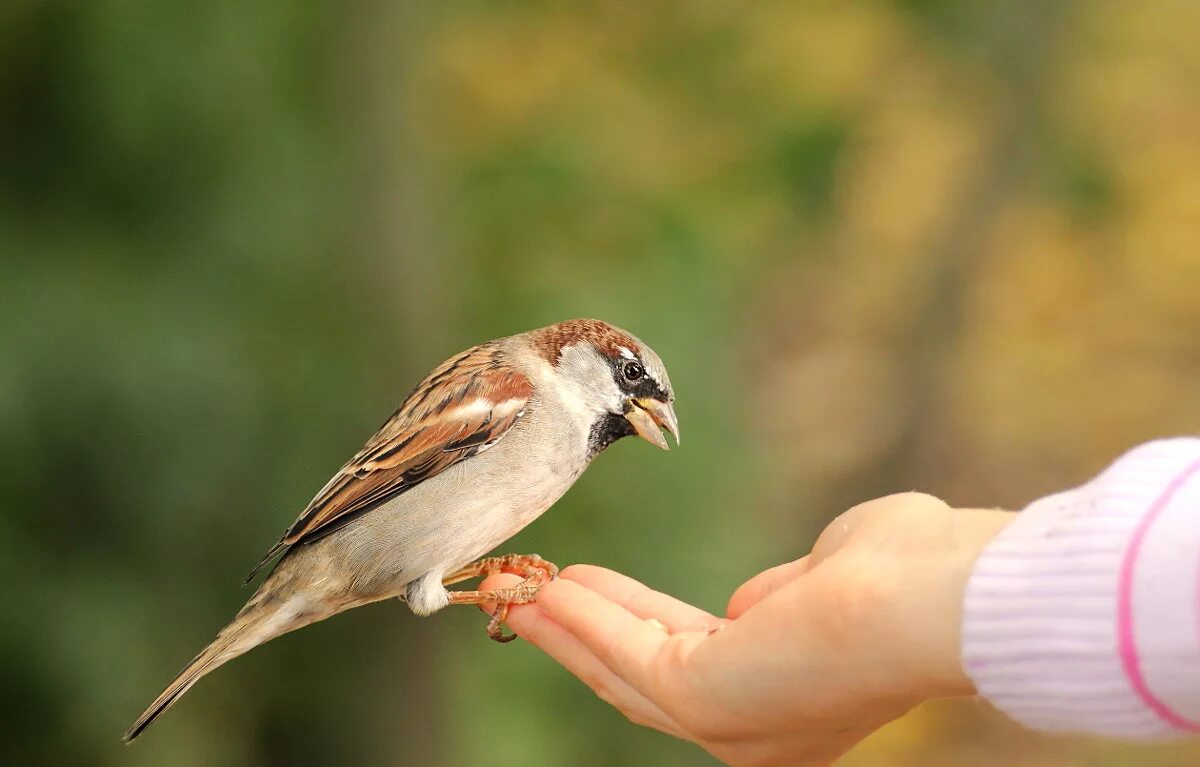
(525, 565)
(536, 571)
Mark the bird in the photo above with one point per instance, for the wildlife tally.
(479, 449)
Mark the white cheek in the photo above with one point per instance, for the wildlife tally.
(584, 385)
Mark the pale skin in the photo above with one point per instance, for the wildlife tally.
(811, 656)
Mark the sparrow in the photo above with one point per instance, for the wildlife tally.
(478, 450)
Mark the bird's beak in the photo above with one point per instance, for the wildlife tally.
(647, 415)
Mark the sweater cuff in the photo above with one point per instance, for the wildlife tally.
(1084, 613)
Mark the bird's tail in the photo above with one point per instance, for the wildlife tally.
(264, 617)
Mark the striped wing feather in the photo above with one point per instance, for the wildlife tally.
(463, 407)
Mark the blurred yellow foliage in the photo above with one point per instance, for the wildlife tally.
(882, 246)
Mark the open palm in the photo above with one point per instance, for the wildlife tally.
(812, 655)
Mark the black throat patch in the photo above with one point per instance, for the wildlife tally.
(607, 430)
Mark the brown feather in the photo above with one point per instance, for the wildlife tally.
(550, 340)
(465, 405)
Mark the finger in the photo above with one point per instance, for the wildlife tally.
(625, 643)
(533, 625)
(763, 585)
(641, 600)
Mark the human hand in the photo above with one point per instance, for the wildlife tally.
(814, 655)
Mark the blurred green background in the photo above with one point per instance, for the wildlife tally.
(942, 245)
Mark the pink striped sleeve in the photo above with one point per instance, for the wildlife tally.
(1084, 614)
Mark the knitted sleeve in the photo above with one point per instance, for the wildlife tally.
(1084, 613)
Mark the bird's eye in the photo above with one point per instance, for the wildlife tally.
(633, 371)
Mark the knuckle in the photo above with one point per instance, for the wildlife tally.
(876, 518)
(910, 502)
(598, 683)
(569, 571)
(923, 501)
(603, 692)
(711, 732)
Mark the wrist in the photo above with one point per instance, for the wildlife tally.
(935, 600)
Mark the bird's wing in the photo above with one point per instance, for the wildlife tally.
(462, 408)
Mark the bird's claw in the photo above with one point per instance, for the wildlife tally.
(495, 627)
(536, 571)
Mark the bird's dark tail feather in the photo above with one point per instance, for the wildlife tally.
(263, 618)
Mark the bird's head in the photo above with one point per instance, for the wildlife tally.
(611, 380)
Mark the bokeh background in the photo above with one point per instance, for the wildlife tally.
(928, 244)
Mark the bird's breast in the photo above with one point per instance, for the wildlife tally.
(514, 484)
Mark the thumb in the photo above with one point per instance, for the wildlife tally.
(763, 585)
